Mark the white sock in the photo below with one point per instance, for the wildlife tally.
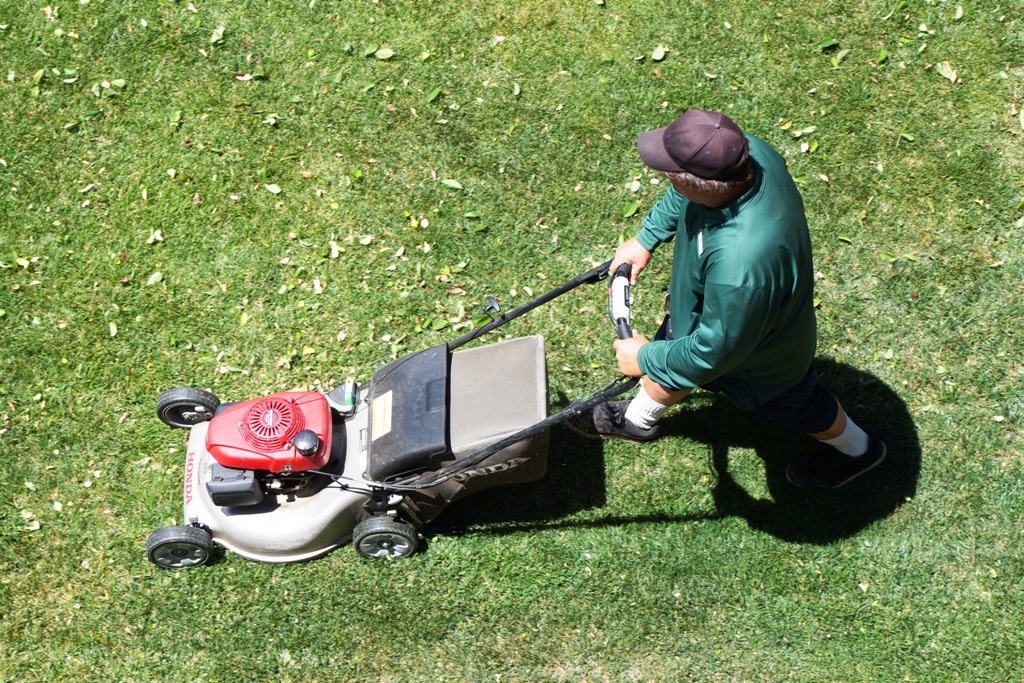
(644, 411)
(853, 441)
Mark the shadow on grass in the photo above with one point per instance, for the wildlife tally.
(576, 476)
(574, 481)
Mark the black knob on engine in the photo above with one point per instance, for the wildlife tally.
(306, 442)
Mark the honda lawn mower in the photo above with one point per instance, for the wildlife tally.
(291, 476)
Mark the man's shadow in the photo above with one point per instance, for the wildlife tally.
(575, 480)
(800, 515)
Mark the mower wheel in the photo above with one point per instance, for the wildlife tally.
(384, 537)
(179, 547)
(186, 406)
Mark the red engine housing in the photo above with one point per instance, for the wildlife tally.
(257, 435)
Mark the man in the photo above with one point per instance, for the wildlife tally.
(741, 299)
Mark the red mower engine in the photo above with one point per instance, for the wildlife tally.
(267, 445)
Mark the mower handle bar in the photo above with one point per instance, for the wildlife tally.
(591, 276)
(618, 310)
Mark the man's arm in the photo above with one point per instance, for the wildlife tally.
(733, 322)
(659, 226)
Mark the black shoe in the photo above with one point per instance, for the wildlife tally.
(608, 421)
(830, 469)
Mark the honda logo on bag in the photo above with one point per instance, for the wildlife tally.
(493, 469)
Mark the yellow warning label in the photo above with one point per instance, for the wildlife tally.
(381, 416)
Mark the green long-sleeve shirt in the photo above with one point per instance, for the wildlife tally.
(742, 288)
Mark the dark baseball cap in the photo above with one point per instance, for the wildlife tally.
(707, 144)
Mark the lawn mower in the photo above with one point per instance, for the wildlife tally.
(291, 476)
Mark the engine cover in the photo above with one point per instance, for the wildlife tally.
(258, 434)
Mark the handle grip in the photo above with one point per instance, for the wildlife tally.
(618, 301)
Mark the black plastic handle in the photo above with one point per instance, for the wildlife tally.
(618, 301)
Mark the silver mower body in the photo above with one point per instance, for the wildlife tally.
(420, 413)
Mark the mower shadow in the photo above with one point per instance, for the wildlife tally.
(576, 474)
(574, 481)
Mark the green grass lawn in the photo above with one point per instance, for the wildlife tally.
(254, 197)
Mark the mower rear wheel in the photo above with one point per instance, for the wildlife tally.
(186, 406)
(384, 537)
(179, 547)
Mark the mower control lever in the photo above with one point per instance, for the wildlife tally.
(618, 301)
(493, 308)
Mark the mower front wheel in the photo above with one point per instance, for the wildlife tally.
(179, 547)
(384, 537)
(185, 406)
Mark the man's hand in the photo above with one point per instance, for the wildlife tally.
(634, 254)
(626, 351)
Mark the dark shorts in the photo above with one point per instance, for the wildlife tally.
(808, 406)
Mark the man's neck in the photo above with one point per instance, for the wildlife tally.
(712, 200)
